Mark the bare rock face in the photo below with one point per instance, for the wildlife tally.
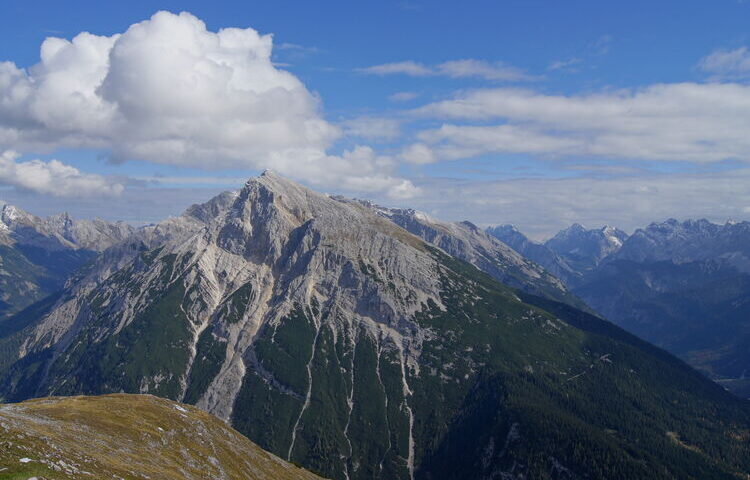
(466, 241)
(333, 336)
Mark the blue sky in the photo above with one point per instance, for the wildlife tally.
(527, 112)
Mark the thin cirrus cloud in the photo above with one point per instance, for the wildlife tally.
(465, 68)
(727, 64)
(565, 65)
(169, 91)
(372, 128)
(54, 178)
(688, 122)
(410, 68)
(403, 96)
(454, 142)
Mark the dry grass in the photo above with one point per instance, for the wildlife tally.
(128, 437)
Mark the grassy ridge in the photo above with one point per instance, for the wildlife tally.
(128, 437)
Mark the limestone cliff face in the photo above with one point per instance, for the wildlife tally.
(466, 241)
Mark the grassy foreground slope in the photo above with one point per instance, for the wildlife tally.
(128, 437)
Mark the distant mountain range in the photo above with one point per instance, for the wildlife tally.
(363, 342)
(37, 255)
(684, 286)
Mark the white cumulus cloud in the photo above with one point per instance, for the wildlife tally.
(170, 91)
(363, 172)
(54, 178)
(167, 91)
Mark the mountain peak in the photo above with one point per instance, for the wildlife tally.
(271, 176)
(672, 225)
(575, 229)
(507, 232)
(585, 248)
(11, 213)
(279, 185)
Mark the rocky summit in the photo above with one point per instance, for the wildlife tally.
(334, 337)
